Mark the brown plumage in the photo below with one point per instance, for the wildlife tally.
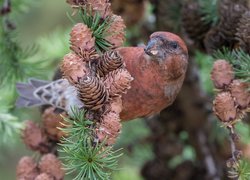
(158, 72)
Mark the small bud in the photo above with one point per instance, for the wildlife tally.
(116, 31)
(73, 67)
(50, 164)
(109, 128)
(35, 138)
(83, 42)
(44, 176)
(115, 105)
(52, 122)
(222, 74)
(237, 154)
(240, 92)
(224, 107)
(118, 82)
(230, 163)
(26, 168)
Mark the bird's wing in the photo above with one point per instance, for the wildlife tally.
(58, 93)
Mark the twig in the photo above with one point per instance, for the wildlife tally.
(209, 161)
(232, 142)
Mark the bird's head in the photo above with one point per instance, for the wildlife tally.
(163, 45)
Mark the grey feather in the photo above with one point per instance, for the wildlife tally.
(25, 90)
(59, 93)
(23, 102)
(38, 83)
(27, 98)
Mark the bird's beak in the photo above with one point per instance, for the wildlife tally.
(151, 48)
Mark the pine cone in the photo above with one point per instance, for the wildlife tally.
(73, 68)
(92, 93)
(224, 34)
(116, 31)
(109, 128)
(51, 165)
(214, 40)
(115, 105)
(243, 31)
(102, 7)
(26, 169)
(118, 82)
(224, 107)
(109, 61)
(44, 176)
(240, 92)
(230, 12)
(222, 74)
(83, 42)
(51, 123)
(193, 23)
(35, 139)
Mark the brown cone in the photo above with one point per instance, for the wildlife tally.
(109, 128)
(51, 165)
(230, 12)
(192, 21)
(73, 68)
(224, 34)
(92, 93)
(26, 169)
(115, 105)
(118, 82)
(109, 61)
(44, 176)
(83, 42)
(214, 40)
(224, 107)
(243, 31)
(35, 138)
(222, 74)
(103, 7)
(116, 31)
(240, 92)
(51, 123)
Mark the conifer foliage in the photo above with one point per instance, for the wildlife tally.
(100, 76)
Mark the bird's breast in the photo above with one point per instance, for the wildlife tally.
(150, 91)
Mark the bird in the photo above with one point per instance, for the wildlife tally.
(158, 70)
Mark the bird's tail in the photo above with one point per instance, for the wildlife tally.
(26, 91)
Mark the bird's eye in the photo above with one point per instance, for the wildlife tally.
(173, 45)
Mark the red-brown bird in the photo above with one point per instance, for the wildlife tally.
(158, 72)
